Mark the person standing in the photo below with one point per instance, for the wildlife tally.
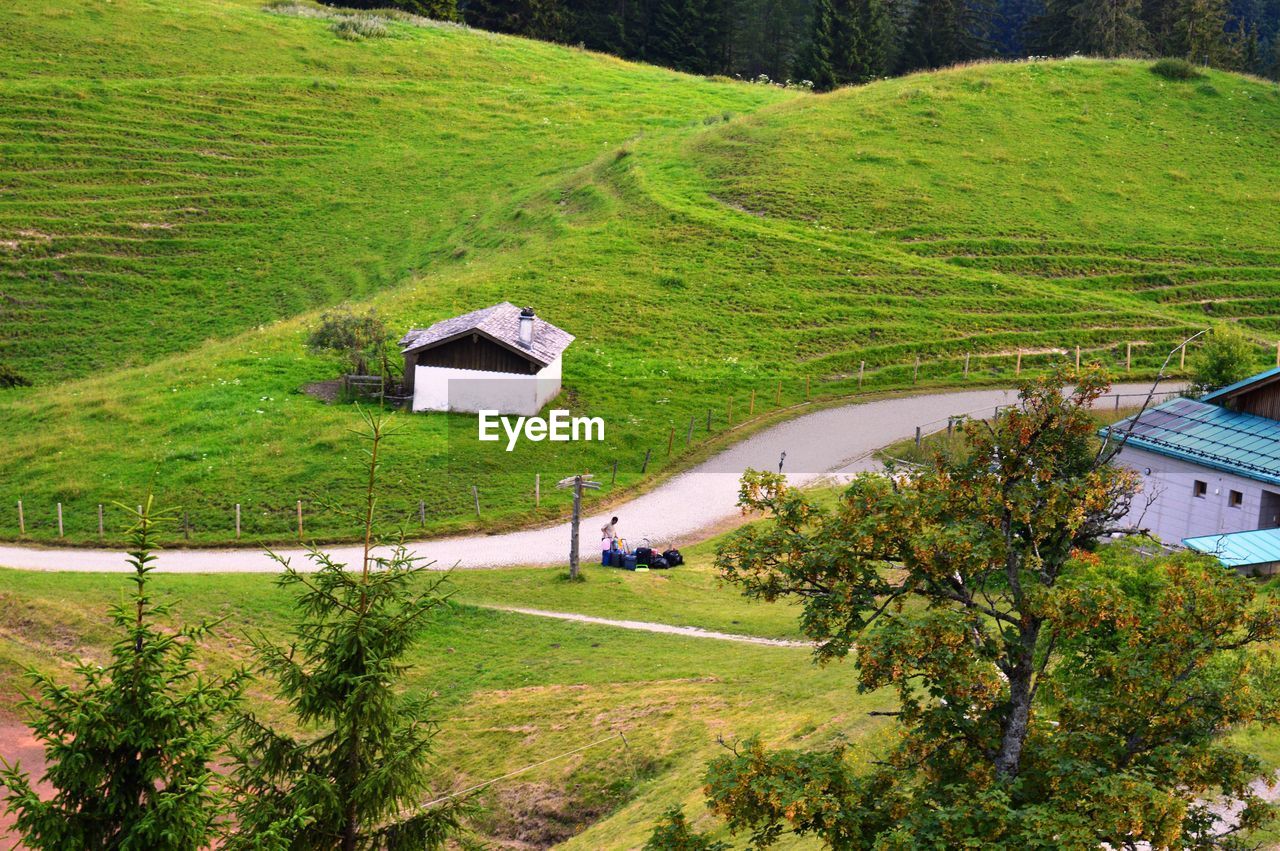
(608, 541)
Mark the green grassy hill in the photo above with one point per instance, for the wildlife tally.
(184, 188)
(511, 690)
(185, 183)
(177, 172)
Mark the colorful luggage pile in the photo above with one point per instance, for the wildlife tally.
(641, 558)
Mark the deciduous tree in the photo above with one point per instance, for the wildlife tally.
(1046, 697)
(1226, 357)
(360, 339)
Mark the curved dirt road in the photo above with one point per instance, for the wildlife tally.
(833, 441)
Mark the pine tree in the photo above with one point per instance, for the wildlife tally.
(1094, 28)
(870, 34)
(815, 62)
(937, 36)
(491, 15)
(440, 10)
(1160, 19)
(1249, 49)
(672, 42)
(1012, 26)
(1110, 28)
(129, 749)
(1200, 33)
(548, 20)
(768, 36)
(357, 780)
(600, 25)
(861, 41)
(715, 30)
(689, 35)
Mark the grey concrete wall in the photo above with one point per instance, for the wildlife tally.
(1176, 512)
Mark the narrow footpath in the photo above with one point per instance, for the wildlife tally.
(647, 626)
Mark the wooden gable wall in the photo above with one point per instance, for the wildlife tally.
(1263, 401)
(471, 351)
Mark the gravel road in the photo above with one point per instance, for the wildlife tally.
(837, 441)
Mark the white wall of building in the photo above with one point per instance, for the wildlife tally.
(1177, 512)
(439, 388)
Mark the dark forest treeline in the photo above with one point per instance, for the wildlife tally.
(837, 42)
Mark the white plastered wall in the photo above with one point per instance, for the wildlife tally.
(439, 388)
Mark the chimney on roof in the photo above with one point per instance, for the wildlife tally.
(526, 327)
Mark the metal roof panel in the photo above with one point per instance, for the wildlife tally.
(1239, 549)
(1210, 435)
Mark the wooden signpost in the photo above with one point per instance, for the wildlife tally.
(579, 484)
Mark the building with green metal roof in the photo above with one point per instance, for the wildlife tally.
(1256, 552)
(1210, 467)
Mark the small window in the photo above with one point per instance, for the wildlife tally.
(1199, 489)
(1235, 499)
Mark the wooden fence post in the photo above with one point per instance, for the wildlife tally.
(99, 521)
(615, 472)
(579, 483)
(1128, 356)
(237, 521)
(917, 437)
(1077, 358)
(966, 364)
(22, 521)
(475, 496)
(751, 411)
(645, 467)
(862, 368)
(422, 512)
(1017, 369)
(537, 489)
(299, 520)
(688, 438)
(671, 437)
(574, 534)
(950, 426)
(1182, 357)
(915, 376)
(59, 520)
(186, 526)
